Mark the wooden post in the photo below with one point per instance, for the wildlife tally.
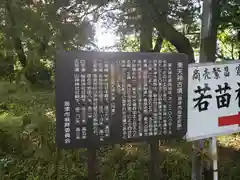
(196, 163)
(155, 172)
(92, 161)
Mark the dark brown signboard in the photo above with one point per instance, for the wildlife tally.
(117, 97)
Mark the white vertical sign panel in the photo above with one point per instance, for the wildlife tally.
(213, 99)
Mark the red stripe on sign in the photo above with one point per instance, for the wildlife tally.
(229, 120)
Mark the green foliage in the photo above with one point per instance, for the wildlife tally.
(6, 69)
(230, 13)
(125, 19)
(28, 150)
(20, 99)
(228, 45)
(129, 44)
(167, 47)
(32, 31)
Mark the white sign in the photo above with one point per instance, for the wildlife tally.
(213, 99)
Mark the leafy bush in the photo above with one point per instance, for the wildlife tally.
(28, 150)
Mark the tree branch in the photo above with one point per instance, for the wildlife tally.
(180, 42)
(71, 7)
(91, 11)
(177, 39)
(107, 10)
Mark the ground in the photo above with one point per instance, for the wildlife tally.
(28, 150)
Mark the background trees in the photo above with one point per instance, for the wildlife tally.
(177, 23)
(31, 31)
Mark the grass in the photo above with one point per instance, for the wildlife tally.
(28, 150)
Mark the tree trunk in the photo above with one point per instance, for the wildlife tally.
(18, 43)
(16, 39)
(209, 33)
(146, 29)
(158, 45)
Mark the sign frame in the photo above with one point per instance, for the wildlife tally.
(70, 55)
(209, 135)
